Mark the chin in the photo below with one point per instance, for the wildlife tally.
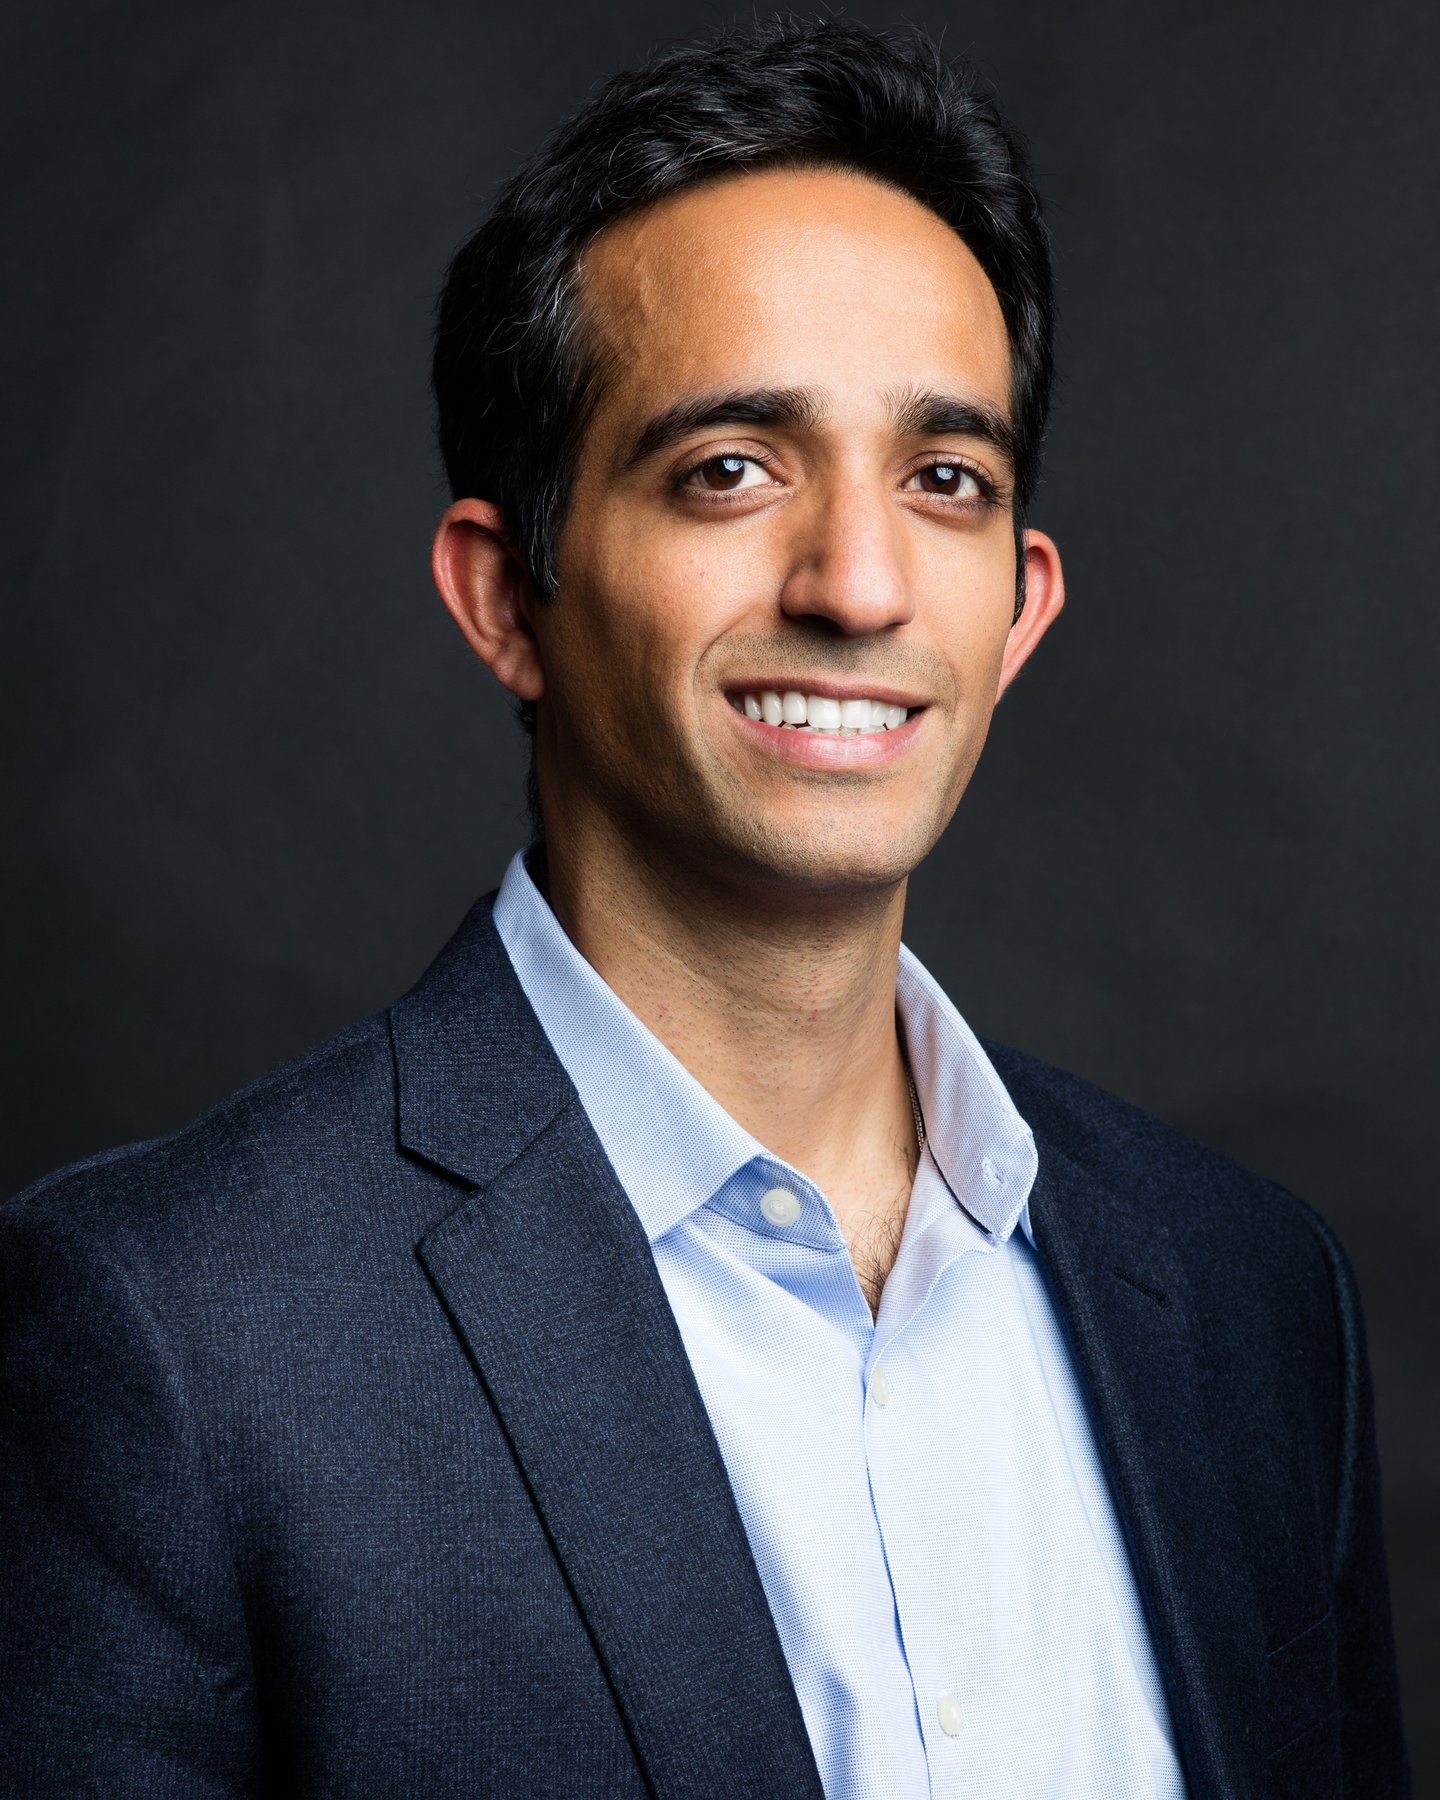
(826, 857)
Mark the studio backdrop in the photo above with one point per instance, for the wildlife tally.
(253, 778)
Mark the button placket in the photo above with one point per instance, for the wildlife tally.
(891, 1448)
(885, 1456)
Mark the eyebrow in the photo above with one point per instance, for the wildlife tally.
(914, 412)
(917, 412)
(790, 409)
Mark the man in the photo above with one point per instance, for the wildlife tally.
(666, 1353)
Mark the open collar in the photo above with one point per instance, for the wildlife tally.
(674, 1147)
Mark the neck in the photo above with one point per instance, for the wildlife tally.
(781, 1004)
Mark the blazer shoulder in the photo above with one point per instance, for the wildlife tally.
(244, 1163)
(1122, 1145)
(333, 1165)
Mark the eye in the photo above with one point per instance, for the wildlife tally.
(953, 480)
(726, 474)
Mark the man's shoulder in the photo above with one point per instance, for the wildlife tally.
(265, 1155)
(338, 1150)
(1195, 1193)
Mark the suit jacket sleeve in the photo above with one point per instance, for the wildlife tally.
(124, 1662)
(1372, 1738)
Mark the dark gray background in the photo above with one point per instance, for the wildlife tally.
(253, 778)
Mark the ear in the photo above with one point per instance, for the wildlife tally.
(1044, 596)
(487, 591)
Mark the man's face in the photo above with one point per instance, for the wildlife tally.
(796, 483)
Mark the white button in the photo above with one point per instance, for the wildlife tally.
(990, 1172)
(950, 1715)
(780, 1207)
(879, 1387)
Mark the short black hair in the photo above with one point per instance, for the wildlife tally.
(514, 374)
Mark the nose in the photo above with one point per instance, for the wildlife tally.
(848, 566)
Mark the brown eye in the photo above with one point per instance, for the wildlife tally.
(950, 479)
(726, 474)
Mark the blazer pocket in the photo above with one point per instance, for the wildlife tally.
(1303, 1699)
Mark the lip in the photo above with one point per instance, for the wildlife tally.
(819, 751)
(827, 688)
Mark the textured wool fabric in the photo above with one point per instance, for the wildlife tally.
(348, 1447)
(921, 1491)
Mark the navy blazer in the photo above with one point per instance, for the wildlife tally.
(348, 1447)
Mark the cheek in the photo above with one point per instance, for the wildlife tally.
(658, 601)
(616, 655)
(969, 606)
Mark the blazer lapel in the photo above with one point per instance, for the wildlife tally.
(1123, 1296)
(548, 1278)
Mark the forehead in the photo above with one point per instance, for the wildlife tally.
(791, 278)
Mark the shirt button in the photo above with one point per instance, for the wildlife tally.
(879, 1387)
(780, 1207)
(990, 1172)
(950, 1715)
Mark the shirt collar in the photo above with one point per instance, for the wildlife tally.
(980, 1144)
(673, 1146)
(669, 1141)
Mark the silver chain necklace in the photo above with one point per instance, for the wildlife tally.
(919, 1116)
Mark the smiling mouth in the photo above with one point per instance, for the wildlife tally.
(821, 714)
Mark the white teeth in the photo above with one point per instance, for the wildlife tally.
(819, 712)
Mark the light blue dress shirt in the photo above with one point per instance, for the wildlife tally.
(921, 1491)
